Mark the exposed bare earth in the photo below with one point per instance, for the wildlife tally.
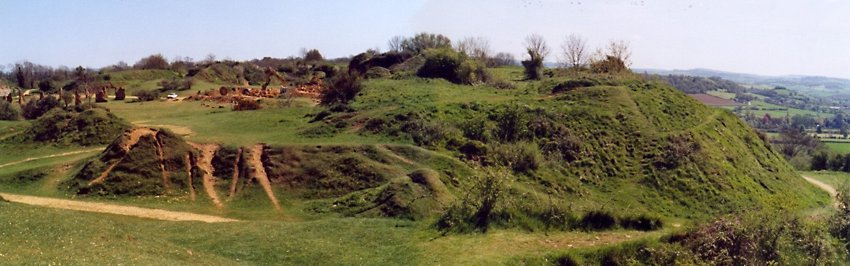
(207, 151)
(51, 156)
(114, 209)
(259, 172)
(826, 187)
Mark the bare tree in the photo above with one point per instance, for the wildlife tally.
(620, 50)
(575, 51)
(209, 59)
(535, 44)
(502, 59)
(395, 43)
(475, 47)
(537, 50)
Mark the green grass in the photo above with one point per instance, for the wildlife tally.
(832, 178)
(838, 147)
(34, 235)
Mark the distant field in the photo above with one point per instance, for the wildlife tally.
(839, 147)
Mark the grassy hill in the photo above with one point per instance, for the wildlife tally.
(408, 155)
(618, 143)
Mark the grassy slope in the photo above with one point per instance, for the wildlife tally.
(619, 126)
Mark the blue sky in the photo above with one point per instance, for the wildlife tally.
(752, 36)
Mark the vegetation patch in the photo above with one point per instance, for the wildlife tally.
(94, 126)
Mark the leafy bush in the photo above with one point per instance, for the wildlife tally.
(344, 88)
(511, 123)
(573, 84)
(36, 108)
(641, 222)
(245, 104)
(377, 72)
(533, 66)
(441, 63)
(761, 239)
(839, 222)
(521, 157)
(176, 84)
(146, 95)
(598, 220)
(479, 208)
(453, 66)
(9, 111)
(610, 64)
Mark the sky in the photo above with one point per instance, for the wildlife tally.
(767, 37)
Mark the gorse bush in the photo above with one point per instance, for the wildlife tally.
(453, 66)
(36, 108)
(9, 111)
(146, 95)
(344, 87)
(521, 157)
(482, 205)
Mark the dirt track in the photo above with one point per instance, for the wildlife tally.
(114, 209)
(826, 187)
(51, 156)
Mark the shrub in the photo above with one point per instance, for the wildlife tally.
(176, 84)
(511, 123)
(521, 157)
(36, 108)
(473, 149)
(146, 95)
(598, 220)
(471, 72)
(9, 111)
(533, 66)
(453, 66)
(377, 72)
(641, 222)
(610, 64)
(441, 63)
(480, 207)
(573, 84)
(245, 104)
(344, 88)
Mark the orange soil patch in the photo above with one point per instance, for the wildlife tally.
(207, 151)
(259, 173)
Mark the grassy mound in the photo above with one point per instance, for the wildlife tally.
(91, 127)
(126, 168)
(630, 145)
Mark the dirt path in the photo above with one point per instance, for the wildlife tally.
(825, 187)
(207, 152)
(52, 155)
(259, 172)
(383, 148)
(114, 209)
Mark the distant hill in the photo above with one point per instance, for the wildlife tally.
(790, 81)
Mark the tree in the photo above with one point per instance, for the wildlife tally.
(575, 51)
(424, 41)
(313, 55)
(502, 59)
(47, 86)
(537, 50)
(395, 43)
(155, 61)
(475, 47)
(620, 50)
